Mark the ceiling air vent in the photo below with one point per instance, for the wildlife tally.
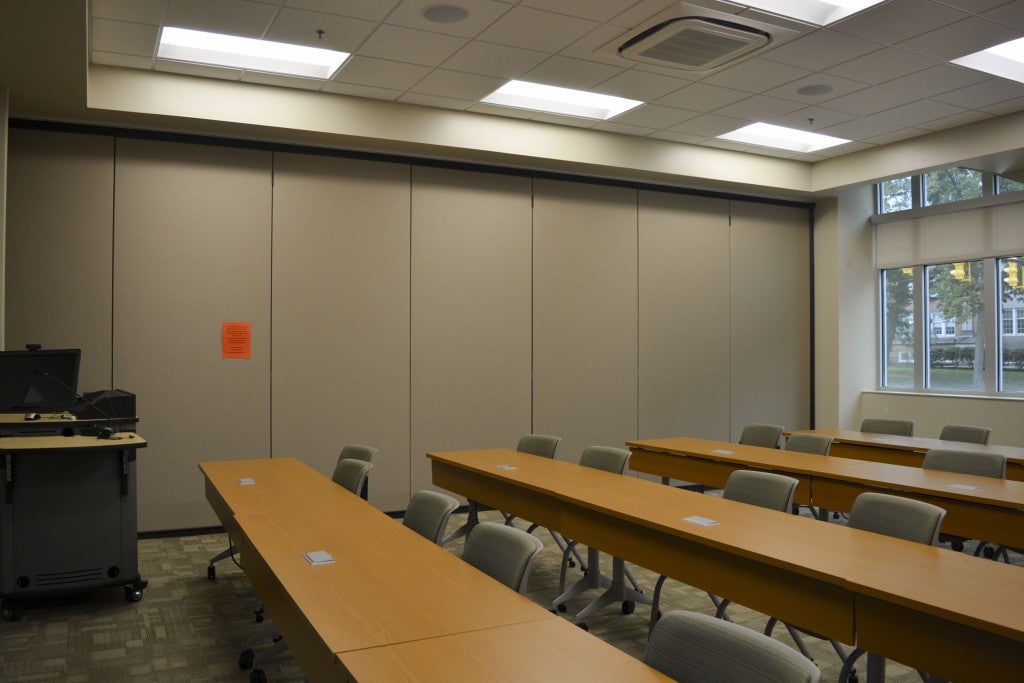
(694, 43)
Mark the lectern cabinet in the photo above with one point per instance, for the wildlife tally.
(68, 516)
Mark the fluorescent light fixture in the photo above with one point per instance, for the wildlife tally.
(780, 137)
(549, 98)
(217, 49)
(820, 12)
(1005, 61)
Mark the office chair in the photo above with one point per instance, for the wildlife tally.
(880, 513)
(696, 648)
(815, 444)
(965, 434)
(765, 435)
(763, 489)
(351, 474)
(968, 462)
(878, 425)
(357, 452)
(504, 553)
(610, 460)
(428, 513)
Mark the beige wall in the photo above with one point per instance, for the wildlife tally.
(407, 307)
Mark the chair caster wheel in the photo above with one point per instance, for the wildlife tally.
(989, 552)
(583, 625)
(571, 563)
(561, 607)
(245, 659)
(257, 676)
(628, 606)
(211, 572)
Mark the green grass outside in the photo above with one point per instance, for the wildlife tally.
(953, 379)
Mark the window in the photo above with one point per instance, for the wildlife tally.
(1005, 185)
(971, 317)
(951, 185)
(896, 195)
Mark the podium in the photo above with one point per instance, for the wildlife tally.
(68, 517)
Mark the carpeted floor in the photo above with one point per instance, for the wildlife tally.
(189, 628)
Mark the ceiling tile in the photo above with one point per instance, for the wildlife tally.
(136, 11)
(381, 73)
(489, 59)
(839, 87)
(639, 85)
(812, 118)
(124, 38)
(300, 27)
(233, 17)
(435, 101)
(870, 101)
(897, 135)
(685, 138)
(975, 6)
(937, 80)
(654, 116)
(820, 50)
(961, 119)
(1005, 107)
(536, 30)
(862, 128)
(983, 94)
(959, 39)
(758, 108)
(567, 72)
(361, 91)
(371, 10)
(894, 22)
(115, 59)
(919, 112)
(457, 85)
(702, 97)
(614, 127)
(410, 45)
(882, 65)
(756, 75)
(482, 13)
(588, 46)
(709, 125)
(282, 80)
(1011, 14)
(597, 10)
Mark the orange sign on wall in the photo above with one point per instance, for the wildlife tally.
(236, 340)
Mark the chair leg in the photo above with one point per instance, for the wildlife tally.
(472, 519)
(655, 604)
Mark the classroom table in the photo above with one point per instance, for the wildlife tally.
(832, 580)
(388, 587)
(976, 507)
(910, 450)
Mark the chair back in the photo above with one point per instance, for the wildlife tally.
(879, 425)
(504, 553)
(356, 452)
(539, 444)
(689, 646)
(428, 513)
(764, 489)
(767, 436)
(906, 518)
(605, 458)
(965, 434)
(815, 444)
(966, 462)
(351, 474)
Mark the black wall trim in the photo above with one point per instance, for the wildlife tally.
(197, 139)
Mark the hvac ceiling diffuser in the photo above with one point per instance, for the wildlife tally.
(701, 38)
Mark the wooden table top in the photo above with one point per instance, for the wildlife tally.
(277, 483)
(533, 651)
(914, 443)
(982, 490)
(39, 443)
(387, 584)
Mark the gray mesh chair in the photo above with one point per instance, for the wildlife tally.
(968, 462)
(880, 513)
(815, 444)
(351, 474)
(610, 460)
(504, 553)
(965, 434)
(763, 489)
(765, 435)
(357, 452)
(428, 513)
(696, 648)
(879, 425)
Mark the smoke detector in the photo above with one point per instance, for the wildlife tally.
(701, 39)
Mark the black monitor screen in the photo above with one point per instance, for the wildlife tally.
(38, 381)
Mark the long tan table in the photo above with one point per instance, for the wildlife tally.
(833, 580)
(910, 450)
(388, 590)
(988, 509)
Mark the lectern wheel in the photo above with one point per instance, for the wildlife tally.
(132, 594)
(257, 676)
(628, 606)
(211, 572)
(245, 659)
(11, 611)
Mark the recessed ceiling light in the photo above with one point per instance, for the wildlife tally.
(780, 137)
(445, 14)
(217, 49)
(1006, 60)
(820, 12)
(550, 98)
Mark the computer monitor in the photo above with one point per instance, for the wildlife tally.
(40, 381)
